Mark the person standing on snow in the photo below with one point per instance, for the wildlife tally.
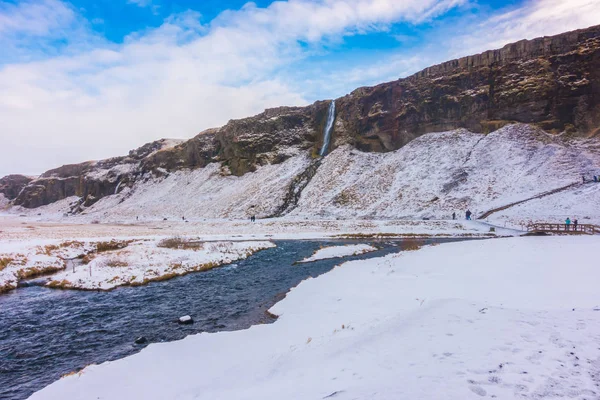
(454, 215)
(468, 214)
(575, 225)
(567, 223)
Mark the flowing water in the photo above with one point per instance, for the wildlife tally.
(45, 333)
(328, 128)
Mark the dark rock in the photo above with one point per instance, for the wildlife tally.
(552, 82)
(11, 185)
(141, 340)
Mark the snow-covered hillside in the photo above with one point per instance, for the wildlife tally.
(441, 173)
(503, 318)
(431, 177)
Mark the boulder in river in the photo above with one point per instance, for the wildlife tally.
(141, 340)
(185, 320)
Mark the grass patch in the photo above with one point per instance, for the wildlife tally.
(112, 245)
(34, 272)
(180, 243)
(64, 284)
(115, 263)
(411, 245)
(4, 262)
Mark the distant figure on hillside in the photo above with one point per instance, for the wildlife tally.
(567, 223)
(454, 215)
(183, 218)
(575, 225)
(595, 178)
(468, 214)
(253, 218)
(583, 178)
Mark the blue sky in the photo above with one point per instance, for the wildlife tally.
(86, 79)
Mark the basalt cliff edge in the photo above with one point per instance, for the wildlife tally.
(552, 83)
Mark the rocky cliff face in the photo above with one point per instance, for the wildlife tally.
(551, 82)
(11, 185)
(90, 180)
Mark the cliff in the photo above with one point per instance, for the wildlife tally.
(11, 185)
(551, 82)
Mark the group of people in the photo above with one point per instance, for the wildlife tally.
(568, 224)
(468, 215)
(253, 218)
(595, 178)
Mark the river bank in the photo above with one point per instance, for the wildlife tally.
(46, 333)
(501, 318)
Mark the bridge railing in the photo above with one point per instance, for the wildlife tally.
(563, 228)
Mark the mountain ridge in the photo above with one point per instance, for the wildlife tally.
(550, 82)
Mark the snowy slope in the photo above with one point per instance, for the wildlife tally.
(503, 318)
(431, 177)
(581, 203)
(439, 173)
(208, 192)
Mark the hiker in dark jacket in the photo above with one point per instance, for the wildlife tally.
(454, 215)
(468, 214)
(574, 225)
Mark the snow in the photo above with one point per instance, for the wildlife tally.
(339, 251)
(502, 318)
(209, 192)
(441, 173)
(581, 203)
(31, 228)
(112, 174)
(3, 201)
(431, 177)
(142, 262)
(138, 262)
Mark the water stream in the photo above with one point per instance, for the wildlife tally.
(45, 333)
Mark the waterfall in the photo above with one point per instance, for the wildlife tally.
(328, 128)
(118, 186)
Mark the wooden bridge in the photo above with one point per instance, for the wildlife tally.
(543, 227)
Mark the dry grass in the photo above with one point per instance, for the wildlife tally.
(4, 261)
(78, 373)
(112, 245)
(48, 249)
(64, 284)
(221, 247)
(6, 287)
(71, 243)
(34, 272)
(116, 263)
(88, 258)
(180, 243)
(411, 245)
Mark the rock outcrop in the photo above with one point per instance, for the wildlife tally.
(550, 82)
(242, 145)
(11, 185)
(89, 180)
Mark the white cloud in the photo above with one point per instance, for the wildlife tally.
(48, 15)
(173, 81)
(100, 99)
(534, 19)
